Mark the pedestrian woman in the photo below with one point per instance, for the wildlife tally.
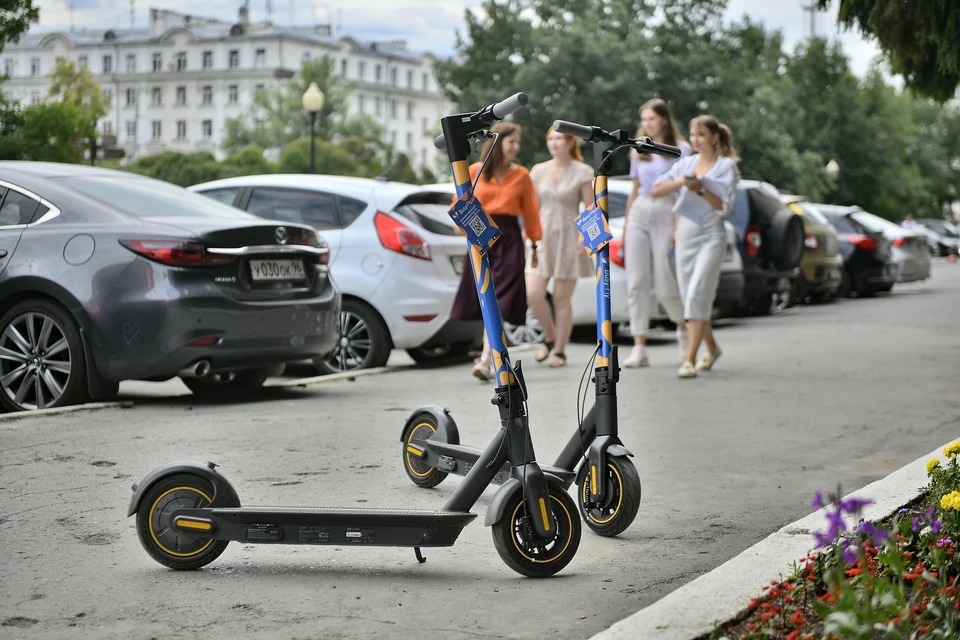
(648, 235)
(700, 247)
(506, 193)
(562, 184)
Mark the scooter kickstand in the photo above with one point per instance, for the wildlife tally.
(420, 557)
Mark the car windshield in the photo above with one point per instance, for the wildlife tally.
(430, 211)
(147, 198)
(875, 223)
(843, 223)
(812, 212)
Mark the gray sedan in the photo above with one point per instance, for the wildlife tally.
(108, 276)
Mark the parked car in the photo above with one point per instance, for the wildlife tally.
(395, 256)
(867, 257)
(770, 238)
(108, 276)
(947, 236)
(909, 246)
(821, 269)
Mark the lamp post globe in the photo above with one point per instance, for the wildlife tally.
(312, 102)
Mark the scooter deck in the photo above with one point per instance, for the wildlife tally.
(460, 458)
(326, 526)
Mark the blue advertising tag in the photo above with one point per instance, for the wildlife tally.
(479, 228)
(594, 229)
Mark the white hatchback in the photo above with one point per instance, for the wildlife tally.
(394, 255)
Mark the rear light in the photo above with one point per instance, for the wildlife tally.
(204, 342)
(810, 241)
(616, 257)
(426, 318)
(174, 252)
(396, 236)
(865, 243)
(754, 241)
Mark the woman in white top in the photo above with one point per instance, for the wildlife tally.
(700, 247)
(648, 235)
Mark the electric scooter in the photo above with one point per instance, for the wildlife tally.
(187, 512)
(608, 485)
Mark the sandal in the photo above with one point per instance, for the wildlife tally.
(559, 360)
(544, 352)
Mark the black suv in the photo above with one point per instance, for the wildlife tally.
(770, 239)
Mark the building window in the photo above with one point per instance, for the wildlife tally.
(207, 127)
(108, 64)
(181, 129)
(8, 67)
(410, 110)
(82, 61)
(233, 94)
(378, 72)
(393, 77)
(410, 79)
(156, 130)
(261, 58)
(423, 157)
(107, 128)
(423, 126)
(181, 96)
(376, 105)
(131, 97)
(34, 97)
(208, 59)
(426, 82)
(157, 62)
(393, 108)
(181, 61)
(343, 68)
(156, 96)
(361, 69)
(360, 104)
(393, 138)
(131, 129)
(234, 59)
(107, 96)
(207, 93)
(258, 89)
(131, 63)
(409, 141)
(306, 56)
(34, 66)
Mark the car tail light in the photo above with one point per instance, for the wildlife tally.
(754, 241)
(174, 252)
(616, 256)
(865, 243)
(899, 242)
(396, 236)
(810, 241)
(421, 318)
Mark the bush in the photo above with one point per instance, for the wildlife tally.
(330, 160)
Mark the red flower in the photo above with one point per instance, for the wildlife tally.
(797, 617)
(793, 635)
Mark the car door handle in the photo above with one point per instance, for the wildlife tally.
(3, 253)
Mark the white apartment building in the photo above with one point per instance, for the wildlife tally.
(174, 84)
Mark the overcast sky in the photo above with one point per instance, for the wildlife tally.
(427, 25)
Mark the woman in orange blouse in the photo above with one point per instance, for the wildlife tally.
(505, 192)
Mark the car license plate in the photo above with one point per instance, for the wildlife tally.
(457, 262)
(272, 270)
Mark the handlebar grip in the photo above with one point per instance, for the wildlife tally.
(573, 129)
(647, 145)
(505, 107)
(439, 143)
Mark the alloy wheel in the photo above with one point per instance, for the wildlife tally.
(35, 361)
(353, 344)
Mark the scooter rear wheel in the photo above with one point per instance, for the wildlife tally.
(621, 497)
(522, 551)
(419, 472)
(166, 544)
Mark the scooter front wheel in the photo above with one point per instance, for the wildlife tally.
(616, 511)
(523, 550)
(420, 473)
(165, 543)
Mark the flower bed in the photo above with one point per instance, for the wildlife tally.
(896, 579)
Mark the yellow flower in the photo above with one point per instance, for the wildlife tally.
(951, 501)
(952, 450)
(933, 464)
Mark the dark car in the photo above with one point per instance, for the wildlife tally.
(770, 239)
(868, 261)
(108, 276)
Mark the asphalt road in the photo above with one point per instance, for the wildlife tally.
(844, 393)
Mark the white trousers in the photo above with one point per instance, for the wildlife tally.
(700, 250)
(649, 232)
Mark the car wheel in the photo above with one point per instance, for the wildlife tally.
(363, 341)
(227, 382)
(529, 333)
(449, 352)
(42, 362)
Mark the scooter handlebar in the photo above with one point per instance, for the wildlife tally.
(492, 113)
(647, 145)
(573, 129)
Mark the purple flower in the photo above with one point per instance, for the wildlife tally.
(818, 500)
(877, 534)
(943, 542)
(935, 526)
(916, 524)
(850, 555)
(904, 510)
(835, 520)
(932, 513)
(853, 505)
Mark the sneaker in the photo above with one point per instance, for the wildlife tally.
(707, 359)
(683, 344)
(637, 358)
(687, 371)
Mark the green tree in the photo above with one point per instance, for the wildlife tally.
(46, 131)
(920, 39)
(76, 85)
(250, 160)
(330, 159)
(16, 16)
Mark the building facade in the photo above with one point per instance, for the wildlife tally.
(174, 84)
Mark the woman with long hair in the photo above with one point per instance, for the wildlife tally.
(648, 231)
(562, 183)
(506, 193)
(700, 247)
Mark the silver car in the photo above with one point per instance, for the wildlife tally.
(909, 247)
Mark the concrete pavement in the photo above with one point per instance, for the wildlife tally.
(843, 393)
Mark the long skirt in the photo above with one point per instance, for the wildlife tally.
(700, 251)
(506, 265)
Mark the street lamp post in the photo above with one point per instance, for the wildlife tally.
(312, 103)
(832, 168)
